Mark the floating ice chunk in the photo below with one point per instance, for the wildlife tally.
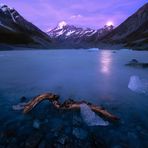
(93, 49)
(138, 85)
(135, 83)
(19, 106)
(90, 118)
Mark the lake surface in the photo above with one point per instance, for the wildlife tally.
(100, 77)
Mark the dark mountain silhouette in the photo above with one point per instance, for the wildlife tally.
(133, 32)
(14, 29)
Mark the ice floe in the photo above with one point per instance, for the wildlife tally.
(90, 118)
(19, 106)
(93, 49)
(138, 85)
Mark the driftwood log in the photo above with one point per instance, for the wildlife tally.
(67, 105)
(36, 100)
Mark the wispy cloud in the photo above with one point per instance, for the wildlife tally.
(76, 16)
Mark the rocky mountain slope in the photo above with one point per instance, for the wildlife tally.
(14, 29)
(133, 32)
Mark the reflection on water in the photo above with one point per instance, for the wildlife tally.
(105, 60)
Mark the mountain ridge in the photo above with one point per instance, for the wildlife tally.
(77, 37)
(14, 29)
(129, 30)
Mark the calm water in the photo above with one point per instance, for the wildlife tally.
(98, 77)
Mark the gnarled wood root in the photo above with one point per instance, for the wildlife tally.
(67, 105)
(47, 96)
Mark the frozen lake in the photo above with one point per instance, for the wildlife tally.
(100, 77)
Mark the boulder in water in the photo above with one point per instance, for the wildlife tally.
(136, 63)
(79, 133)
(36, 124)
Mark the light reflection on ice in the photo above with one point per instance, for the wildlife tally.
(138, 85)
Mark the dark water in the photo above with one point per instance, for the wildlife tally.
(99, 77)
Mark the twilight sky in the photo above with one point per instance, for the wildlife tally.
(87, 13)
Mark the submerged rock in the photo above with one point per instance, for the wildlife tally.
(97, 142)
(136, 63)
(133, 61)
(79, 133)
(114, 52)
(10, 133)
(76, 121)
(33, 140)
(42, 144)
(90, 118)
(62, 139)
(36, 124)
(23, 99)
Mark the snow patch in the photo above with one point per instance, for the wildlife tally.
(90, 118)
(69, 33)
(4, 8)
(16, 17)
(49, 30)
(1, 5)
(12, 16)
(88, 31)
(61, 25)
(60, 33)
(92, 33)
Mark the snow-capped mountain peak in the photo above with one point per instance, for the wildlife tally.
(76, 36)
(11, 12)
(61, 24)
(3, 7)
